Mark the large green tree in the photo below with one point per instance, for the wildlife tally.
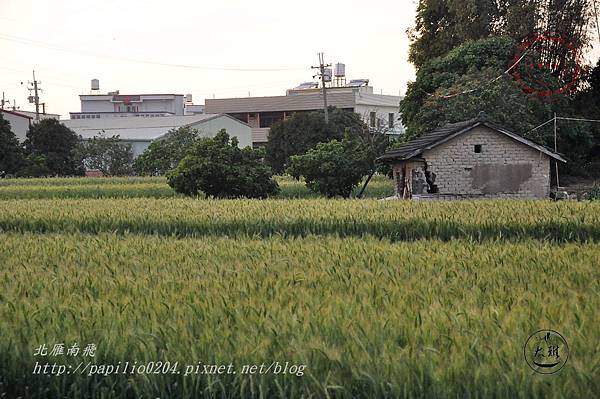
(164, 154)
(470, 79)
(442, 25)
(11, 152)
(218, 168)
(51, 150)
(304, 130)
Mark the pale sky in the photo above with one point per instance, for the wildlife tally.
(123, 44)
(70, 42)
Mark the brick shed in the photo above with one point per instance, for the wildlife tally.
(471, 159)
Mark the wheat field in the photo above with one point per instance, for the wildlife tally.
(377, 299)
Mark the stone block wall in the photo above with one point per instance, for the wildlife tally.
(503, 168)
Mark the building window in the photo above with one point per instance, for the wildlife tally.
(267, 119)
(391, 120)
(242, 117)
(477, 148)
(372, 118)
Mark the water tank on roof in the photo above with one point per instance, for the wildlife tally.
(95, 84)
(188, 98)
(339, 70)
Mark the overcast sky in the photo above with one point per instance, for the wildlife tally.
(69, 42)
(226, 48)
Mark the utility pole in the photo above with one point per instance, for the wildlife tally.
(555, 150)
(35, 98)
(3, 102)
(322, 76)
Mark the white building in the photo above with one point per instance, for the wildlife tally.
(19, 123)
(140, 132)
(377, 110)
(41, 115)
(96, 106)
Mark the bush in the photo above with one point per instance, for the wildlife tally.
(593, 194)
(334, 168)
(219, 168)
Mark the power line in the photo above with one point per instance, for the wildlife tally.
(564, 119)
(50, 46)
(481, 86)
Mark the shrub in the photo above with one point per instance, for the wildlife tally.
(219, 168)
(334, 168)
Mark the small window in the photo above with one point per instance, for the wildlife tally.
(391, 120)
(477, 148)
(372, 118)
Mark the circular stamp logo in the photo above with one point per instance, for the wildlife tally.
(546, 351)
(546, 64)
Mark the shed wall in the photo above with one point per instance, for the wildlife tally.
(503, 168)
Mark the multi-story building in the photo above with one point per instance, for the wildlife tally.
(114, 104)
(377, 110)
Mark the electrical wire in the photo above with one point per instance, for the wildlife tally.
(50, 46)
(564, 119)
(481, 86)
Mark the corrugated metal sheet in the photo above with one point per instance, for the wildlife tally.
(278, 103)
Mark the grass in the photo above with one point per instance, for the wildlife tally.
(368, 317)
(393, 220)
(378, 299)
(146, 187)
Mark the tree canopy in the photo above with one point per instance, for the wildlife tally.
(334, 168)
(304, 130)
(164, 154)
(218, 168)
(51, 150)
(442, 25)
(107, 154)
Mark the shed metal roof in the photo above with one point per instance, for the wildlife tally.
(449, 131)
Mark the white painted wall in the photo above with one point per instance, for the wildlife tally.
(382, 112)
(234, 128)
(137, 147)
(172, 104)
(18, 125)
(209, 128)
(97, 104)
